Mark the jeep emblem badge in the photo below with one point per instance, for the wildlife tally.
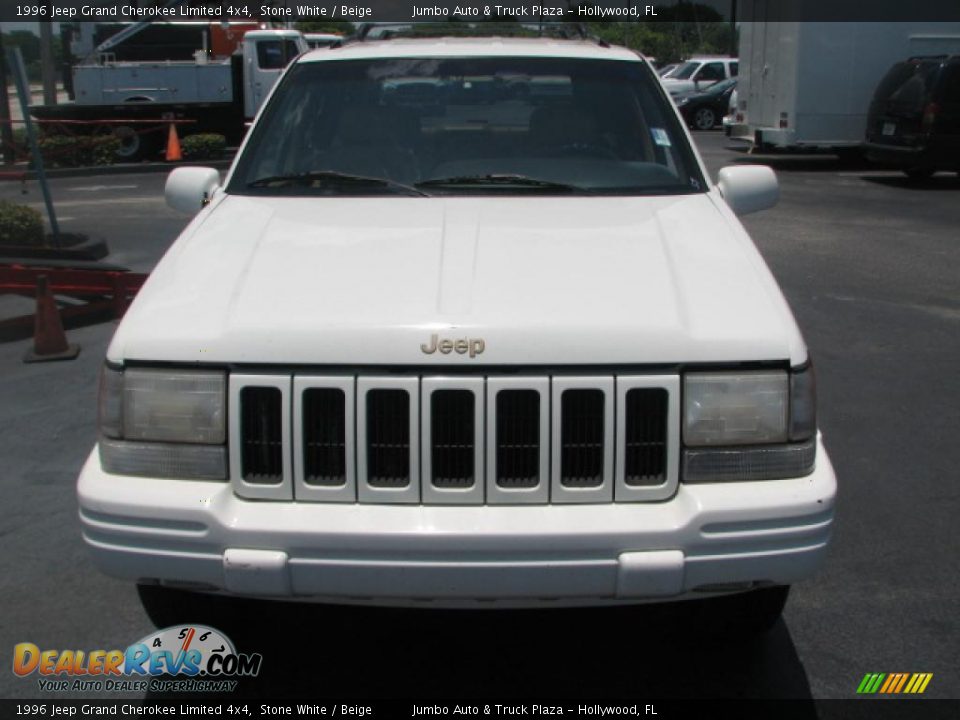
(461, 346)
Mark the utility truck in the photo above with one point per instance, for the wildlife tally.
(808, 85)
(219, 89)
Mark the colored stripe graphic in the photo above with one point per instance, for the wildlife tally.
(923, 679)
(891, 680)
(894, 683)
(900, 682)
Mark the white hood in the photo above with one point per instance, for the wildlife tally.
(554, 281)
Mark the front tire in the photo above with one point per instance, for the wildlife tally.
(704, 119)
(134, 145)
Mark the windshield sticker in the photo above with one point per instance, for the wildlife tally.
(660, 137)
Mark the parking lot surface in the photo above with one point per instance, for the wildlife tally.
(869, 264)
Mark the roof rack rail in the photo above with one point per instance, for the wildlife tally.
(388, 31)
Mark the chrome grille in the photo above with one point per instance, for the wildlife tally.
(504, 439)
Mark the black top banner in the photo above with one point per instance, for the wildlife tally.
(528, 11)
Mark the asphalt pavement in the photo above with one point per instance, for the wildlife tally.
(869, 263)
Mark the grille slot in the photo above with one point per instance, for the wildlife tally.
(388, 438)
(452, 432)
(645, 439)
(518, 439)
(581, 438)
(261, 433)
(324, 437)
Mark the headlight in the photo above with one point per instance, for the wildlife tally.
(749, 425)
(174, 406)
(735, 409)
(177, 419)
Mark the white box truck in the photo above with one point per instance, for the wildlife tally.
(807, 85)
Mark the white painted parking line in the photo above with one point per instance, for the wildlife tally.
(871, 173)
(98, 188)
(112, 202)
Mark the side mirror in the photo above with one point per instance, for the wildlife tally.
(748, 188)
(189, 189)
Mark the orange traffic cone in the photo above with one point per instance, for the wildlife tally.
(49, 340)
(173, 145)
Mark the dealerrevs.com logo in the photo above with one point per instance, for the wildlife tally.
(187, 658)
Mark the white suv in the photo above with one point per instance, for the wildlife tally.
(699, 73)
(466, 322)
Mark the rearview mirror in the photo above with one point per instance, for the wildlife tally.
(748, 188)
(189, 189)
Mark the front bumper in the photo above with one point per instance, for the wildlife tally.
(707, 538)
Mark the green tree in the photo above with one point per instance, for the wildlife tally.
(667, 41)
(29, 45)
(340, 27)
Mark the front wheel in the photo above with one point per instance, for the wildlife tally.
(134, 144)
(704, 119)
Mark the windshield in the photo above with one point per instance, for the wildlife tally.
(907, 84)
(721, 87)
(684, 71)
(467, 125)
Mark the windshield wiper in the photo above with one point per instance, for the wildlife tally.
(500, 180)
(332, 179)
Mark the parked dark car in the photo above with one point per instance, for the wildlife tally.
(914, 119)
(703, 110)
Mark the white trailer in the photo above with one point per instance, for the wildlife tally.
(809, 84)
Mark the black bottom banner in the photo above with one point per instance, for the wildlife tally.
(873, 709)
